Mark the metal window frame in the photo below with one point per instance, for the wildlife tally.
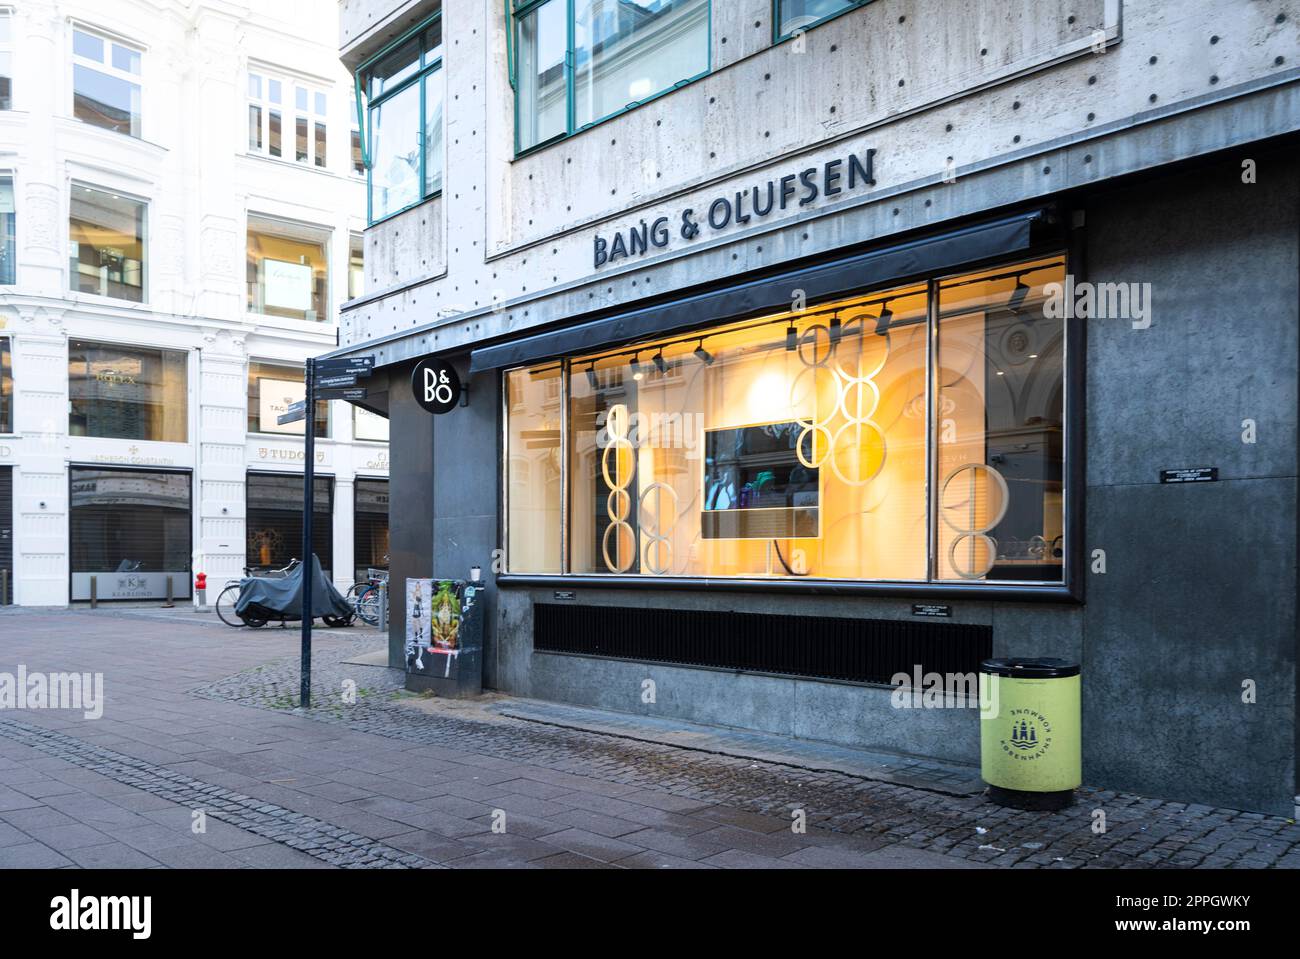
(1067, 589)
(779, 37)
(364, 113)
(523, 8)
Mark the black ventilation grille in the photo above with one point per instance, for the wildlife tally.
(824, 647)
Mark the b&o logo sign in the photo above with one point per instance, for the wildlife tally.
(436, 385)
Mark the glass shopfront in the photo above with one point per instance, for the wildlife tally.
(130, 530)
(273, 522)
(370, 525)
(127, 392)
(908, 435)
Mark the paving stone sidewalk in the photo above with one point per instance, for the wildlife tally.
(203, 719)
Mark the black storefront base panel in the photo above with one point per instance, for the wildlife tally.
(818, 647)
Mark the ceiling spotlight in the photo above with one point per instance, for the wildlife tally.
(884, 319)
(1018, 296)
(637, 371)
(591, 378)
(705, 356)
(791, 338)
(835, 327)
(660, 363)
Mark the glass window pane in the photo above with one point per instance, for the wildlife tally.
(628, 52)
(433, 97)
(320, 104)
(533, 398)
(273, 504)
(6, 33)
(126, 392)
(8, 224)
(254, 127)
(797, 14)
(287, 271)
(6, 387)
(394, 68)
(370, 530)
(356, 267)
(88, 46)
(273, 90)
(271, 390)
(542, 104)
(106, 244)
(358, 162)
(273, 133)
(999, 423)
(320, 144)
(106, 101)
(395, 153)
(432, 43)
(124, 58)
(255, 86)
(300, 135)
(6, 81)
(300, 98)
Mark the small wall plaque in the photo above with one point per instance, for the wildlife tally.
(932, 610)
(565, 595)
(1194, 474)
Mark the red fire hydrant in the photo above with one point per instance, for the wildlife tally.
(201, 588)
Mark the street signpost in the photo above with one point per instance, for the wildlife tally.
(325, 379)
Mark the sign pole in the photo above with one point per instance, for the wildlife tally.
(309, 567)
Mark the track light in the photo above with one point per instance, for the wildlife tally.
(637, 371)
(884, 319)
(660, 363)
(1018, 295)
(791, 339)
(591, 378)
(704, 355)
(835, 328)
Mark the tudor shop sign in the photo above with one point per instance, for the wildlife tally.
(794, 190)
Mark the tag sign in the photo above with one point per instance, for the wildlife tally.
(931, 610)
(1194, 474)
(436, 385)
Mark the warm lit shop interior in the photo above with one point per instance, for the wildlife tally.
(800, 444)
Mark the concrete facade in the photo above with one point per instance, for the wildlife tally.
(1167, 131)
(192, 167)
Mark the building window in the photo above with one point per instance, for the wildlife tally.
(356, 266)
(911, 435)
(288, 269)
(370, 526)
(106, 240)
(8, 224)
(357, 157)
(130, 529)
(272, 389)
(6, 60)
(582, 61)
(273, 523)
(793, 16)
(369, 426)
(6, 386)
(127, 392)
(105, 82)
(273, 100)
(403, 87)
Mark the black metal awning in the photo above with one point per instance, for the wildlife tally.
(914, 258)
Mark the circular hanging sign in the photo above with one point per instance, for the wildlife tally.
(436, 385)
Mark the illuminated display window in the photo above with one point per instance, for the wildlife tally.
(912, 434)
(287, 269)
(127, 392)
(272, 389)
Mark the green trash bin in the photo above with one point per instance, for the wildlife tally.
(1030, 741)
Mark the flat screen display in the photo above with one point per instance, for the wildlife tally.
(755, 487)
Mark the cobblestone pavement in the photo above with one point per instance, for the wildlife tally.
(204, 718)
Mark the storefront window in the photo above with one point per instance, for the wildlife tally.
(274, 519)
(127, 392)
(369, 426)
(8, 221)
(793, 15)
(620, 55)
(6, 386)
(404, 91)
(288, 269)
(130, 529)
(370, 526)
(801, 445)
(106, 244)
(105, 83)
(272, 389)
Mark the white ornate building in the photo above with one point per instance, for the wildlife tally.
(180, 219)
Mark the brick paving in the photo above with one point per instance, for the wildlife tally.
(199, 716)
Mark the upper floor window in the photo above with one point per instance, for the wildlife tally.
(356, 266)
(582, 61)
(274, 102)
(127, 392)
(6, 60)
(106, 244)
(7, 219)
(288, 270)
(793, 16)
(105, 82)
(357, 157)
(403, 89)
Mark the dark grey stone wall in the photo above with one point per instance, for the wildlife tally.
(1199, 595)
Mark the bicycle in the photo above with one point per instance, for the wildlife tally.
(365, 596)
(229, 596)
